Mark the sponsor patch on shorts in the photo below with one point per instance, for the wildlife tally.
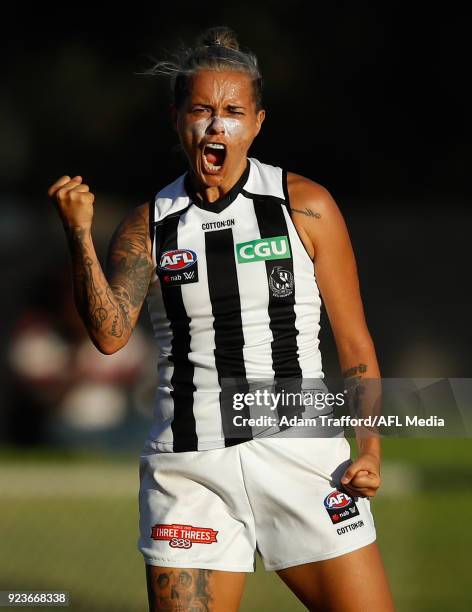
(183, 536)
(340, 506)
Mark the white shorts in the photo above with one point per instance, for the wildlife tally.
(213, 509)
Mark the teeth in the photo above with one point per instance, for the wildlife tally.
(212, 167)
(213, 145)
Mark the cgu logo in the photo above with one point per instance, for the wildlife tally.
(337, 500)
(177, 259)
(276, 247)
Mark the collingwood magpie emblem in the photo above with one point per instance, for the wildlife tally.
(281, 282)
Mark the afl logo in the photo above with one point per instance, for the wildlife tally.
(337, 500)
(177, 259)
(340, 507)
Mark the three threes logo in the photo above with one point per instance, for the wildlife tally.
(183, 536)
(262, 249)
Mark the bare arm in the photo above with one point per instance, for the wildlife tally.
(109, 307)
(325, 236)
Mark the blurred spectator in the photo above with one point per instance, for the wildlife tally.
(56, 374)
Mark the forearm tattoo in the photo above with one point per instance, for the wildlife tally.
(363, 396)
(109, 308)
(361, 368)
(354, 388)
(307, 212)
(93, 303)
(178, 590)
(96, 307)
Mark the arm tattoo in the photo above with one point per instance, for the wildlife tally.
(97, 313)
(120, 317)
(308, 212)
(358, 369)
(110, 308)
(183, 590)
(355, 388)
(129, 265)
(363, 397)
(91, 301)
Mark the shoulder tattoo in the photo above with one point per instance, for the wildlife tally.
(307, 212)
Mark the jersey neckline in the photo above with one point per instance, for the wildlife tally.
(218, 205)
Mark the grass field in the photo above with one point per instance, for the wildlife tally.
(70, 523)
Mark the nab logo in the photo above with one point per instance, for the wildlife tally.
(276, 247)
(337, 500)
(340, 507)
(177, 259)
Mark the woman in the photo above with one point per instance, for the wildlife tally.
(226, 256)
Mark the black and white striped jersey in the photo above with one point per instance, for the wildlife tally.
(234, 296)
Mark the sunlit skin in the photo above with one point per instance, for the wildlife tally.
(220, 108)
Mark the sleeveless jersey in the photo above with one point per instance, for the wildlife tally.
(233, 297)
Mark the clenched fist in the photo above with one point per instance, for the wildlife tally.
(74, 202)
(362, 477)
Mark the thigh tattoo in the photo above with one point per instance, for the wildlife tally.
(179, 589)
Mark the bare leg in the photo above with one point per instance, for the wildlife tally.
(193, 590)
(354, 582)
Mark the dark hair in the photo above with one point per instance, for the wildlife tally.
(215, 49)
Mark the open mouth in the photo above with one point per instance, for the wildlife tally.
(214, 154)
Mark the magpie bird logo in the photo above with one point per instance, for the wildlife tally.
(281, 282)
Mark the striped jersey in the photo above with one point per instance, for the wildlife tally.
(233, 299)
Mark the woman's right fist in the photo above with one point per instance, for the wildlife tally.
(74, 201)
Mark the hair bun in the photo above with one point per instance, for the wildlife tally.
(217, 36)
